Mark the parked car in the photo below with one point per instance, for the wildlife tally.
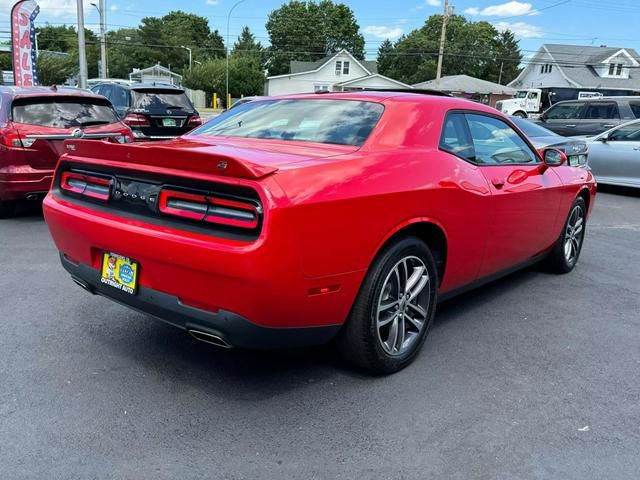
(242, 101)
(590, 117)
(34, 122)
(575, 149)
(153, 111)
(293, 220)
(614, 156)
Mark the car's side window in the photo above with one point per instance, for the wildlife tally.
(601, 110)
(496, 143)
(565, 111)
(635, 108)
(455, 137)
(120, 97)
(627, 133)
(105, 91)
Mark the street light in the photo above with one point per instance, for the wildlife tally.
(187, 48)
(103, 40)
(226, 99)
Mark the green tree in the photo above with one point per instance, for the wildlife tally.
(386, 57)
(309, 31)
(64, 38)
(55, 69)
(472, 48)
(246, 77)
(163, 39)
(247, 46)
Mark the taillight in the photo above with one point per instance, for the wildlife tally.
(86, 185)
(213, 209)
(10, 137)
(195, 121)
(136, 120)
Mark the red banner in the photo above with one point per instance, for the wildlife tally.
(23, 36)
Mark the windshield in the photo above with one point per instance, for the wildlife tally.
(341, 122)
(531, 129)
(63, 113)
(522, 94)
(161, 99)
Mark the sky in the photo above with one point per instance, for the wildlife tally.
(582, 22)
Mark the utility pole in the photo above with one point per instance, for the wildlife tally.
(82, 54)
(103, 40)
(500, 75)
(227, 51)
(189, 50)
(443, 34)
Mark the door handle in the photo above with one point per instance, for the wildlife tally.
(497, 182)
(570, 126)
(608, 125)
(636, 148)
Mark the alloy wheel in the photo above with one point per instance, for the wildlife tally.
(574, 234)
(402, 305)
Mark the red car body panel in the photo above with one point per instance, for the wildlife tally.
(327, 212)
(25, 170)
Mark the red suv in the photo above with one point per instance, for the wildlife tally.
(34, 122)
(294, 220)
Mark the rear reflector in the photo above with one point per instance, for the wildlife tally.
(212, 209)
(86, 185)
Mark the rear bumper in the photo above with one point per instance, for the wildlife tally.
(235, 330)
(16, 182)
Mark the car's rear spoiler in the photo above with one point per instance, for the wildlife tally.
(226, 162)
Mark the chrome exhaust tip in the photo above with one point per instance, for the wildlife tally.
(32, 197)
(209, 338)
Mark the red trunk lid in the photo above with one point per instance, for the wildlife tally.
(44, 145)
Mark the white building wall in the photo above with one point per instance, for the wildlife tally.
(324, 77)
(532, 77)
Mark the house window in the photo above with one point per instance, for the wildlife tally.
(338, 67)
(321, 88)
(546, 68)
(345, 68)
(615, 69)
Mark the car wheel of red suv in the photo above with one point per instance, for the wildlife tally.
(393, 311)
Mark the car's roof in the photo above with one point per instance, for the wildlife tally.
(25, 92)
(385, 96)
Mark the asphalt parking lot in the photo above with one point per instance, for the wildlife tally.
(536, 376)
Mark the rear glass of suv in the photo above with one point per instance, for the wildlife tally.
(62, 112)
(340, 122)
(155, 99)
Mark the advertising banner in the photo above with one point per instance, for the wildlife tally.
(23, 37)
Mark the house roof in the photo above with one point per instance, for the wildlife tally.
(577, 63)
(299, 67)
(465, 84)
(384, 79)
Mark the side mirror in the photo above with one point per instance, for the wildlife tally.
(604, 138)
(552, 157)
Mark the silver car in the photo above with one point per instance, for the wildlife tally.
(614, 156)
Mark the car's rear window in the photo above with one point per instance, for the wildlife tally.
(160, 99)
(341, 122)
(531, 129)
(62, 112)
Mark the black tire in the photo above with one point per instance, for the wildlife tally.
(558, 260)
(360, 341)
(7, 209)
(520, 115)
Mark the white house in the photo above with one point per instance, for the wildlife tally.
(339, 72)
(577, 66)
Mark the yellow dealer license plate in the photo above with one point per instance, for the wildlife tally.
(119, 272)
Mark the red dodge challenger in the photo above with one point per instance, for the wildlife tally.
(296, 220)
